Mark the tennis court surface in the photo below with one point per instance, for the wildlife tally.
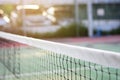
(23, 58)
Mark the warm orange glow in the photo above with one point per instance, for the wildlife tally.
(27, 7)
(1, 11)
(44, 13)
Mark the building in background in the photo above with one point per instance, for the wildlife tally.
(106, 13)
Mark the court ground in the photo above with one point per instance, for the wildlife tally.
(111, 43)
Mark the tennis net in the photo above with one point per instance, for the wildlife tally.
(25, 58)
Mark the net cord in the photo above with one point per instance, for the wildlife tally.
(102, 57)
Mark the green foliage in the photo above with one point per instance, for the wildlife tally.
(7, 8)
(115, 31)
(67, 31)
(71, 31)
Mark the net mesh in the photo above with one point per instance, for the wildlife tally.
(20, 61)
(9, 56)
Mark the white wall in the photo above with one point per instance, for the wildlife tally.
(104, 25)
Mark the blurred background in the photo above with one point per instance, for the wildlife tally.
(87, 23)
(59, 19)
